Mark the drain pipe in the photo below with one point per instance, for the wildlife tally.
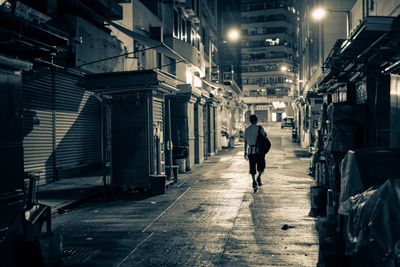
(103, 128)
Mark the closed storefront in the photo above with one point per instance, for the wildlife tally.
(62, 125)
(137, 103)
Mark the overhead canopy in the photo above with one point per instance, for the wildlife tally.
(157, 45)
(110, 83)
(350, 56)
(370, 31)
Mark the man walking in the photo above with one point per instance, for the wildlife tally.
(252, 153)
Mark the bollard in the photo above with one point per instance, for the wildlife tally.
(330, 210)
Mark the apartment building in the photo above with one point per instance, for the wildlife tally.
(269, 57)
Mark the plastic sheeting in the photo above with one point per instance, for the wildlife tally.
(372, 233)
(364, 168)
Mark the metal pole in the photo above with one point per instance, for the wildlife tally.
(54, 122)
(169, 145)
(348, 24)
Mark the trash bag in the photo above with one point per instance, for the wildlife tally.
(372, 232)
(364, 168)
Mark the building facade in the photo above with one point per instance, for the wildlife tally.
(269, 57)
(67, 122)
(353, 65)
(323, 49)
(62, 122)
(316, 41)
(181, 39)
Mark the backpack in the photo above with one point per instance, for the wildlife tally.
(263, 143)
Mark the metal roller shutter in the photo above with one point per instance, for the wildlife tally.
(62, 124)
(131, 141)
(38, 124)
(78, 124)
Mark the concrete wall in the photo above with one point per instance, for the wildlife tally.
(380, 8)
(130, 63)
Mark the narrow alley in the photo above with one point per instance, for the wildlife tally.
(211, 217)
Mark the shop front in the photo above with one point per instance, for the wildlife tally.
(138, 124)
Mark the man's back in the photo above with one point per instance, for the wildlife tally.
(250, 134)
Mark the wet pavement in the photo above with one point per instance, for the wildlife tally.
(211, 217)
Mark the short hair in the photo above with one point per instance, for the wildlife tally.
(253, 119)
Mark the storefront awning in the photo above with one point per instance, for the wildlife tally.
(15, 64)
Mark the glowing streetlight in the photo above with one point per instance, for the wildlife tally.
(319, 13)
(233, 35)
(284, 68)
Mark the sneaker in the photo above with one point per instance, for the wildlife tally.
(259, 181)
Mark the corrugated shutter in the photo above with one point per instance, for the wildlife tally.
(78, 123)
(67, 119)
(38, 124)
(131, 149)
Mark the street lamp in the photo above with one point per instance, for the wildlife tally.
(319, 13)
(233, 35)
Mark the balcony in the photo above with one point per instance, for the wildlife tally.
(269, 49)
(248, 73)
(271, 24)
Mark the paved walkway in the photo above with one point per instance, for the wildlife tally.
(210, 217)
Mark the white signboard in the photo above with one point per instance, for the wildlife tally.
(262, 107)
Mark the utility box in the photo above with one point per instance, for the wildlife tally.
(136, 100)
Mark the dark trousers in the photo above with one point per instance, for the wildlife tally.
(257, 162)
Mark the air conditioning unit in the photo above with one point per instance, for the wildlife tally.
(156, 33)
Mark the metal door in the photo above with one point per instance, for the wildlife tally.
(131, 140)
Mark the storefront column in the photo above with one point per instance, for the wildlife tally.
(199, 130)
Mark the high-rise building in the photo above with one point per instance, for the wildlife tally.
(269, 57)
